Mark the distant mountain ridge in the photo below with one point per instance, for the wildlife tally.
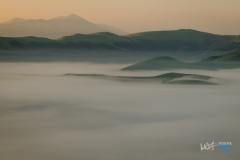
(14, 20)
(52, 28)
(177, 40)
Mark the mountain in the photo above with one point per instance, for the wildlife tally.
(112, 29)
(52, 28)
(167, 78)
(227, 61)
(179, 40)
(14, 20)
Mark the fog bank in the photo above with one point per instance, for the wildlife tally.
(45, 115)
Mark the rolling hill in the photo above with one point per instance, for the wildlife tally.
(179, 40)
(167, 78)
(227, 61)
(165, 63)
(231, 57)
(112, 29)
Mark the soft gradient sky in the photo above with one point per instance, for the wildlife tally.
(216, 16)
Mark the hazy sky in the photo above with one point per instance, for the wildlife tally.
(216, 16)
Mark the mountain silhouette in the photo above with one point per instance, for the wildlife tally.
(52, 28)
(14, 20)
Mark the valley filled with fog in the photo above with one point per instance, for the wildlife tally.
(46, 115)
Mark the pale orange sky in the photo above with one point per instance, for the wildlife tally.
(215, 16)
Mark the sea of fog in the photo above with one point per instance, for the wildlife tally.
(45, 115)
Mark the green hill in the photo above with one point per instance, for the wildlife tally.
(102, 40)
(178, 40)
(183, 35)
(231, 60)
(108, 38)
(18, 42)
(156, 63)
(232, 57)
(162, 63)
(187, 39)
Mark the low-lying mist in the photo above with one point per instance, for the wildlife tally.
(100, 56)
(45, 115)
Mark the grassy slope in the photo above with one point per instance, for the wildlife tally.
(231, 57)
(171, 63)
(106, 38)
(5, 41)
(182, 39)
(102, 37)
(158, 63)
(235, 38)
(183, 35)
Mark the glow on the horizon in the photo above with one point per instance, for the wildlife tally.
(215, 16)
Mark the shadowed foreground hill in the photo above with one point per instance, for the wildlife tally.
(227, 61)
(179, 40)
(167, 78)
